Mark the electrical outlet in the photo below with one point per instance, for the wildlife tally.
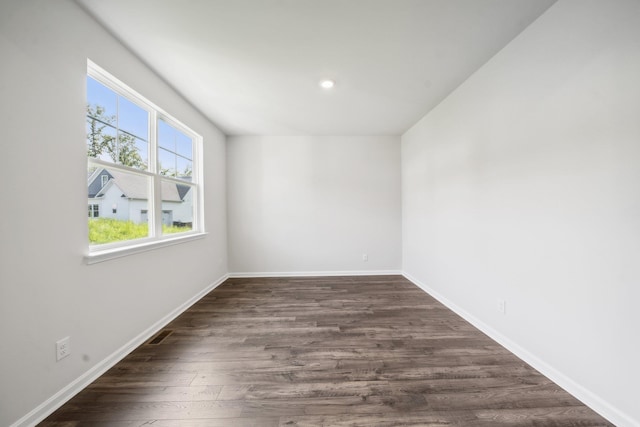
(63, 348)
(365, 257)
(502, 306)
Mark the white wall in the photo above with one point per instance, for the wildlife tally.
(46, 290)
(524, 185)
(313, 204)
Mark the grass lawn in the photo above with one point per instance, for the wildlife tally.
(107, 230)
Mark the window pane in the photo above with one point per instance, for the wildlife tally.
(166, 136)
(133, 119)
(115, 208)
(101, 140)
(143, 150)
(167, 162)
(184, 168)
(173, 140)
(110, 115)
(184, 145)
(177, 207)
(101, 101)
(132, 152)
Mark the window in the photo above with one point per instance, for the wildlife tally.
(94, 211)
(175, 152)
(143, 168)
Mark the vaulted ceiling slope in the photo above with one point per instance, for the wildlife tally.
(253, 66)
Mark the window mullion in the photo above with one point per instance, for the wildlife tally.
(198, 179)
(156, 196)
(117, 159)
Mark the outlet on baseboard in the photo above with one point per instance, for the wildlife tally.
(63, 348)
(502, 306)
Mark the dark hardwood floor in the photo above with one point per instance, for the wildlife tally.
(329, 351)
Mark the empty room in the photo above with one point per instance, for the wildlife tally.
(320, 213)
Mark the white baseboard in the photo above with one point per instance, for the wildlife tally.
(61, 397)
(589, 398)
(240, 275)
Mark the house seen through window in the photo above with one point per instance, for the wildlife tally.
(141, 180)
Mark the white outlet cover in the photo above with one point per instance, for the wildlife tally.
(63, 348)
(502, 306)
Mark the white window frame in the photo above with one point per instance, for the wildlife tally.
(103, 252)
(93, 207)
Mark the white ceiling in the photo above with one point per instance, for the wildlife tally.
(253, 66)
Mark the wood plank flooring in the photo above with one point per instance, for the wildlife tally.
(325, 351)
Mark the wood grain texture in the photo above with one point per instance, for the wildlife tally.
(326, 351)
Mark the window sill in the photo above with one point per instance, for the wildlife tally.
(97, 256)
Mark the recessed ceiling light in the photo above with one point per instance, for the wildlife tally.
(327, 84)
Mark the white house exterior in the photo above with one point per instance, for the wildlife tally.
(124, 196)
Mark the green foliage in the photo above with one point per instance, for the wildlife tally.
(171, 229)
(97, 141)
(105, 230)
(186, 173)
(108, 230)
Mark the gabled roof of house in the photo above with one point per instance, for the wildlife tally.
(183, 190)
(94, 184)
(136, 187)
